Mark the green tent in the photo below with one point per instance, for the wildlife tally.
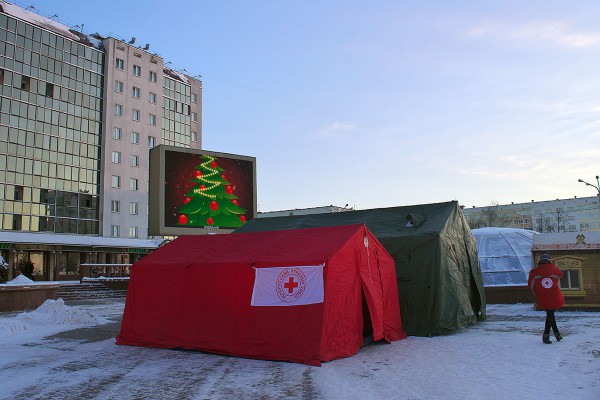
(439, 279)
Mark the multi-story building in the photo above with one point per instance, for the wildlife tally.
(78, 115)
(560, 215)
(304, 211)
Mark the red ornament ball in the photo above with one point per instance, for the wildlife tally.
(202, 187)
(234, 201)
(214, 205)
(243, 218)
(183, 219)
(198, 174)
(213, 165)
(229, 189)
(187, 200)
(210, 221)
(224, 177)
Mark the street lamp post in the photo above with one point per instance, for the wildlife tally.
(596, 186)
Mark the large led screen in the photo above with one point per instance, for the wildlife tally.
(201, 190)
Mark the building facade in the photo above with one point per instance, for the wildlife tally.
(561, 215)
(78, 115)
(304, 211)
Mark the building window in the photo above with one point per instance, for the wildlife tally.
(114, 230)
(119, 64)
(17, 222)
(137, 70)
(118, 86)
(116, 181)
(194, 98)
(25, 83)
(151, 119)
(152, 76)
(135, 92)
(133, 184)
(194, 136)
(133, 208)
(194, 117)
(151, 141)
(152, 98)
(135, 115)
(118, 110)
(571, 279)
(135, 161)
(135, 137)
(115, 206)
(571, 284)
(49, 90)
(133, 231)
(117, 133)
(18, 193)
(116, 157)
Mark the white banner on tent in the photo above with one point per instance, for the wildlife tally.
(288, 286)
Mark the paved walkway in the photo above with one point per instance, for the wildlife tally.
(85, 363)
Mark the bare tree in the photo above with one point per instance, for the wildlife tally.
(489, 217)
(553, 222)
(560, 218)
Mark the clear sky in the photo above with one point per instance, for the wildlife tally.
(383, 103)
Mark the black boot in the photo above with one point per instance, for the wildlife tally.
(558, 336)
(546, 338)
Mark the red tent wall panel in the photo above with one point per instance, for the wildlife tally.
(214, 314)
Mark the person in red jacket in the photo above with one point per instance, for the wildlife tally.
(543, 280)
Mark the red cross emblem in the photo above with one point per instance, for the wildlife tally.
(290, 284)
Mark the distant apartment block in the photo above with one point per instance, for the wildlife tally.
(561, 215)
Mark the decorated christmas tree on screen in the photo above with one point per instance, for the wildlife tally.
(211, 201)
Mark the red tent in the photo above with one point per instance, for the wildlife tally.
(330, 287)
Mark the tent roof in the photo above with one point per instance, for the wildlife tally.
(299, 247)
(382, 222)
(504, 255)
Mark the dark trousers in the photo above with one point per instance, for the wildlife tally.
(550, 323)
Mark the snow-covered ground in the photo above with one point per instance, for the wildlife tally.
(69, 352)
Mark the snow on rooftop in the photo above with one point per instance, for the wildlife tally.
(176, 75)
(49, 24)
(36, 19)
(567, 241)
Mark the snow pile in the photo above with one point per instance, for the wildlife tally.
(20, 280)
(51, 316)
(105, 278)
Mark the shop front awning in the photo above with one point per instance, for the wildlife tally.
(52, 239)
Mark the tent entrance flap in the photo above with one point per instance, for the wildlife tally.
(367, 323)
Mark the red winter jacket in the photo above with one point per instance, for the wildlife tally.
(543, 280)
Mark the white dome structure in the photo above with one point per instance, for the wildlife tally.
(504, 255)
